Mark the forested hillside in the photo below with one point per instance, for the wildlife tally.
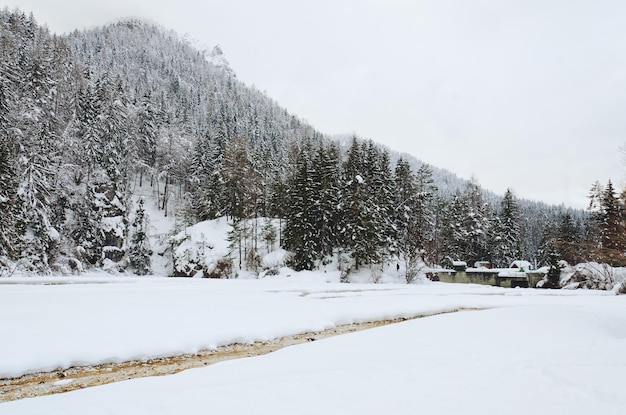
(88, 118)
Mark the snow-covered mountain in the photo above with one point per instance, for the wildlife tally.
(92, 119)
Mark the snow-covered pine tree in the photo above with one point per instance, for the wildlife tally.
(147, 135)
(416, 218)
(612, 230)
(568, 240)
(236, 167)
(300, 233)
(355, 223)
(504, 235)
(235, 237)
(593, 233)
(454, 235)
(605, 231)
(404, 196)
(11, 227)
(268, 233)
(475, 223)
(206, 183)
(382, 198)
(139, 250)
(326, 182)
(111, 130)
(35, 122)
(424, 211)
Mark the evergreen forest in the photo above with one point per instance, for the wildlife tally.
(89, 117)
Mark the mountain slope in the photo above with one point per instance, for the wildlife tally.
(91, 118)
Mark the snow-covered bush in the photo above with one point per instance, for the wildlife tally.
(6, 266)
(589, 275)
(201, 251)
(114, 267)
(223, 268)
(273, 261)
(76, 266)
(192, 257)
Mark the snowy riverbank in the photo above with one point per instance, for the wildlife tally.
(540, 350)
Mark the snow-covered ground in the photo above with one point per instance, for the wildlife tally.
(527, 351)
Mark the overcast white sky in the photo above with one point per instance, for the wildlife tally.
(527, 94)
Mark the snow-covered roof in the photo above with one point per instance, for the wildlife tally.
(459, 263)
(482, 270)
(510, 273)
(521, 264)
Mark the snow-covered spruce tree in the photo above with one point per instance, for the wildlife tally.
(504, 235)
(409, 238)
(454, 235)
(11, 227)
(243, 189)
(107, 189)
(355, 221)
(416, 225)
(146, 136)
(35, 121)
(300, 233)
(90, 151)
(475, 223)
(425, 212)
(206, 181)
(593, 233)
(235, 168)
(236, 236)
(404, 199)
(139, 250)
(384, 232)
(112, 132)
(325, 178)
(613, 231)
(367, 229)
(35, 192)
(534, 218)
(568, 240)
(553, 278)
(605, 228)
(268, 233)
(267, 167)
(435, 246)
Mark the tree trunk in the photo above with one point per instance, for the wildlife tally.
(165, 190)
